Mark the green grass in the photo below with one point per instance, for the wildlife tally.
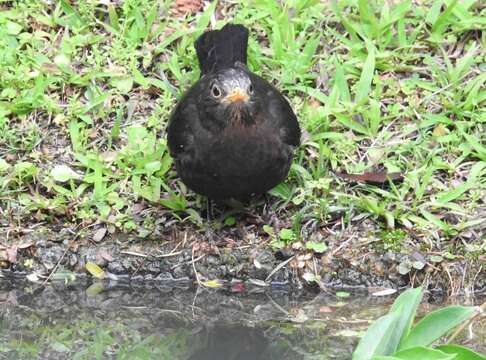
(86, 91)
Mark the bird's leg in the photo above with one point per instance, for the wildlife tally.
(236, 207)
(209, 210)
(209, 218)
(266, 212)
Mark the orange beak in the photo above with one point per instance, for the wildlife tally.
(236, 96)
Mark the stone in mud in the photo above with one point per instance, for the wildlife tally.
(50, 256)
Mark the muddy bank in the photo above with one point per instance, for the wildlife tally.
(232, 257)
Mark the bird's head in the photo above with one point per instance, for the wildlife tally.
(231, 94)
(231, 86)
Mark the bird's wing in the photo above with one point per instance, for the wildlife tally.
(281, 114)
(287, 121)
(180, 138)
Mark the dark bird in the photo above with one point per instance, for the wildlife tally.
(232, 135)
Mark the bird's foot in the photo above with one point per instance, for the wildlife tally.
(210, 234)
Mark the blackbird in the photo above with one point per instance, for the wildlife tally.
(232, 135)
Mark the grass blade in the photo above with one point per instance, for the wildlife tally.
(364, 84)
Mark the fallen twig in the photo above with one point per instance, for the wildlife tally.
(278, 267)
(194, 267)
(56, 266)
(134, 253)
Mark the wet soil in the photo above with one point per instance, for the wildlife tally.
(231, 256)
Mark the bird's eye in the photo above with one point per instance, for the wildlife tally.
(250, 89)
(215, 91)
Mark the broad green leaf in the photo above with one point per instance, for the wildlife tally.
(435, 325)
(378, 338)
(406, 304)
(461, 352)
(423, 353)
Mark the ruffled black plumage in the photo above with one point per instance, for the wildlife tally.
(232, 134)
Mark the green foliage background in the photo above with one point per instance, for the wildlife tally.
(86, 89)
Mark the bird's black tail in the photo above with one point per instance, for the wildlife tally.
(218, 49)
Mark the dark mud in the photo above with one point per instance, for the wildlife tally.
(47, 253)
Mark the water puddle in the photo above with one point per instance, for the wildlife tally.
(115, 321)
